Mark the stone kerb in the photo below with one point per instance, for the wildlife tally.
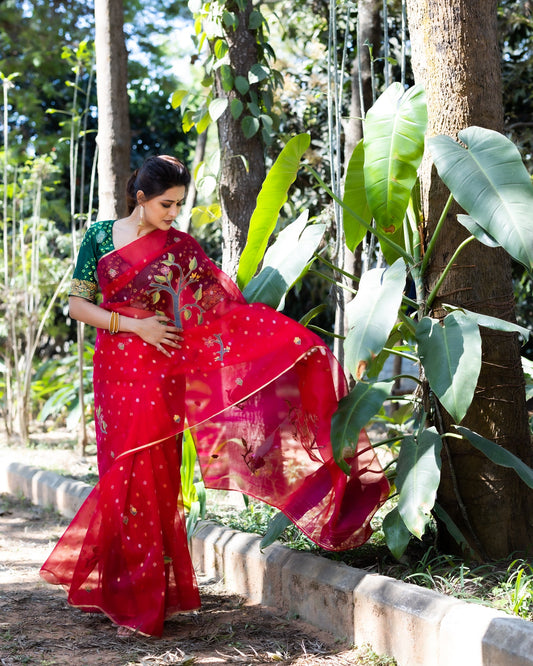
(417, 627)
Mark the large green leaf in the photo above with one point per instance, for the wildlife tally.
(489, 180)
(284, 262)
(372, 314)
(270, 199)
(417, 478)
(355, 199)
(451, 357)
(354, 412)
(394, 131)
(494, 323)
(397, 536)
(498, 454)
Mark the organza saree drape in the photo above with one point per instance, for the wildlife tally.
(256, 389)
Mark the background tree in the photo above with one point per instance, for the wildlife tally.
(463, 87)
(114, 140)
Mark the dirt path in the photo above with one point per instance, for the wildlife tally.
(38, 627)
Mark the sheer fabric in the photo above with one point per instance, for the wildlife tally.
(256, 389)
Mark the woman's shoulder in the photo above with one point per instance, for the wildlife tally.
(99, 227)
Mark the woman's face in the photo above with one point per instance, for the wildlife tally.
(162, 210)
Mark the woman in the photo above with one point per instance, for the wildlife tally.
(178, 347)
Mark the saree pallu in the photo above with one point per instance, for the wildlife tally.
(256, 389)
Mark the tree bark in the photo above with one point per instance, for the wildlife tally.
(455, 56)
(242, 159)
(113, 108)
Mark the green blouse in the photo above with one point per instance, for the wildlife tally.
(98, 240)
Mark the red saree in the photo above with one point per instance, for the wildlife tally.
(257, 391)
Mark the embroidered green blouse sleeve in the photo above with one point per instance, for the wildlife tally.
(98, 240)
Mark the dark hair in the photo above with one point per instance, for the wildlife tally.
(156, 175)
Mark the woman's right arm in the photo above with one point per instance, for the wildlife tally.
(154, 330)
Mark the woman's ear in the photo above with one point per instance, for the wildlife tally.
(141, 199)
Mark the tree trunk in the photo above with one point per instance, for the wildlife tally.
(113, 108)
(242, 159)
(455, 56)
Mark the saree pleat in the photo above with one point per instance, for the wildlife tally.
(257, 391)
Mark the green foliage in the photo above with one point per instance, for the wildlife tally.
(193, 490)
(55, 387)
(452, 373)
(372, 315)
(270, 199)
(284, 262)
(248, 96)
(489, 181)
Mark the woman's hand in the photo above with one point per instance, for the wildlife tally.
(158, 331)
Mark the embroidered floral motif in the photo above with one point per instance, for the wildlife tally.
(305, 430)
(175, 286)
(133, 511)
(297, 341)
(253, 462)
(100, 236)
(121, 346)
(100, 420)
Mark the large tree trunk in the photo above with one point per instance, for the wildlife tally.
(455, 56)
(113, 108)
(242, 160)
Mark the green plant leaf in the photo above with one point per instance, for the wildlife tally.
(217, 108)
(258, 73)
(178, 98)
(256, 19)
(284, 262)
(270, 199)
(221, 48)
(372, 314)
(226, 77)
(494, 323)
(417, 478)
(477, 231)
(354, 411)
(394, 131)
(489, 180)
(355, 199)
(236, 108)
(397, 536)
(275, 529)
(451, 357)
(452, 528)
(250, 126)
(498, 454)
(242, 85)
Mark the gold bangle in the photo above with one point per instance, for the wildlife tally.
(114, 323)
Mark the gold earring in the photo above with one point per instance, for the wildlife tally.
(141, 221)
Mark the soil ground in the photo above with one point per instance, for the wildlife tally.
(38, 627)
